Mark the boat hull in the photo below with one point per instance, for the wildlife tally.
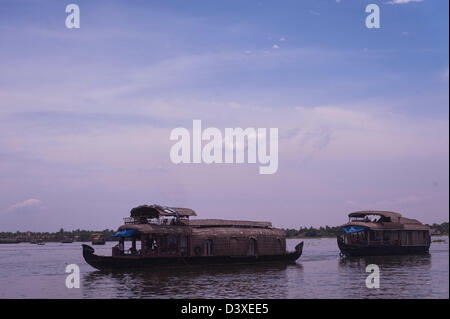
(140, 262)
(380, 250)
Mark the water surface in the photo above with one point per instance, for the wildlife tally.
(32, 271)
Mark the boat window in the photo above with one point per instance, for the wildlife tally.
(425, 235)
(377, 236)
(184, 246)
(208, 248)
(386, 236)
(252, 247)
(168, 244)
(409, 238)
(151, 244)
(374, 235)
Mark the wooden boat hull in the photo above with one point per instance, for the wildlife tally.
(142, 262)
(380, 250)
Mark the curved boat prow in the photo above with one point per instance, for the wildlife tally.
(299, 248)
(92, 259)
(297, 253)
(87, 250)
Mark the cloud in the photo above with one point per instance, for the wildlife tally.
(25, 204)
(402, 1)
(275, 46)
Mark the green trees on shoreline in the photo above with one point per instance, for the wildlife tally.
(86, 235)
(75, 235)
(327, 231)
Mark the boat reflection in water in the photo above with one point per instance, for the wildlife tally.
(410, 273)
(220, 281)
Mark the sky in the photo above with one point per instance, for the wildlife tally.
(86, 114)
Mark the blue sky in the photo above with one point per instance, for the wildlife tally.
(85, 114)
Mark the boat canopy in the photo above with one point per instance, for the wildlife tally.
(126, 233)
(374, 212)
(354, 229)
(201, 223)
(155, 211)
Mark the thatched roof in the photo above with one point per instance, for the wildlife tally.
(401, 223)
(154, 211)
(413, 224)
(202, 223)
(235, 232)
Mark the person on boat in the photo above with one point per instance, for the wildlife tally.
(121, 245)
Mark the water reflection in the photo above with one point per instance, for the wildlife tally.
(400, 276)
(423, 261)
(33, 271)
(231, 281)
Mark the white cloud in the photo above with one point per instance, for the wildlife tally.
(275, 46)
(282, 39)
(27, 203)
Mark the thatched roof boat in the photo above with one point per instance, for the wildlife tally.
(162, 236)
(383, 233)
(98, 239)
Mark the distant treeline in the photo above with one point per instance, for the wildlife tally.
(439, 229)
(108, 234)
(75, 235)
(327, 231)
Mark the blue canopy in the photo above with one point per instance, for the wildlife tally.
(354, 229)
(126, 233)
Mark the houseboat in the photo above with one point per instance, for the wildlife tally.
(9, 241)
(155, 236)
(378, 233)
(98, 239)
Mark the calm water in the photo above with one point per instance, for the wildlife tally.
(31, 271)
